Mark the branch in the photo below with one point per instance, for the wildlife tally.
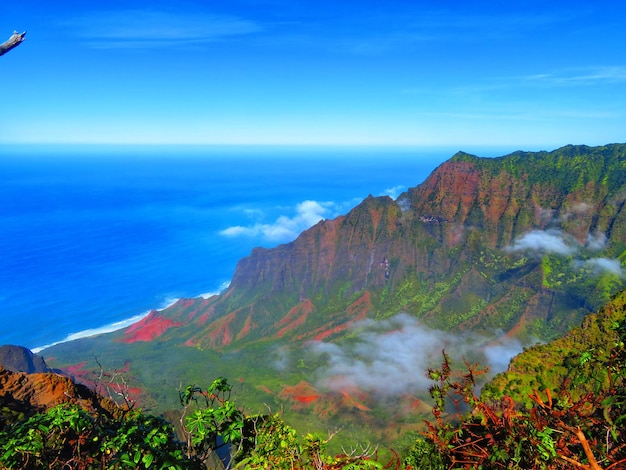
(14, 41)
(593, 463)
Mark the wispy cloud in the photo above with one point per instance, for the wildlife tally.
(394, 192)
(286, 228)
(603, 265)
(585, 76)
(554, 241)
(596, 241)
(390, 357)
(418, 27)
(548, 241)
(153, 28)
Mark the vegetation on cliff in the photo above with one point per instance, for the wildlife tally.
(576, 421)
(522, 246)
(526, 244)
(559, 406)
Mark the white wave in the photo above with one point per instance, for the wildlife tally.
(95, 331)
(120, 325)
(221, 289)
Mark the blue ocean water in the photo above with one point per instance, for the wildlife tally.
(91, 240)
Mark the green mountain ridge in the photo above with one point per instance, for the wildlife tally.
(521, 246)
(444, 252)
(577, 362)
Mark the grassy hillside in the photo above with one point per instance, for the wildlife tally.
(518, 247)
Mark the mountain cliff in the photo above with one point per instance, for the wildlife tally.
(521, 246)
(526, 244)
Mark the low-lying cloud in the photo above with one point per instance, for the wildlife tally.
(596, 241)
(391, 357)
(544, 241)
(603, 265)
(285, 228)
(394, 192)
(404, 204)
(557, 242)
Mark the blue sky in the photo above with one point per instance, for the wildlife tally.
(523, 74)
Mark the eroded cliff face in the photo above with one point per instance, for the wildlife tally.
(451, 251)
(26, 394)
(524, 245)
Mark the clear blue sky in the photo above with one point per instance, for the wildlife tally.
(524, 74)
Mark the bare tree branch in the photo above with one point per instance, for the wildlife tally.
(14, 41)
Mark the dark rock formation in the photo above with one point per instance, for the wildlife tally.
(20, 359)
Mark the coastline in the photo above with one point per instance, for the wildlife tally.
(93, 244)
(120, 325)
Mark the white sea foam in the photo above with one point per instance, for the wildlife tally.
(169, 301)
(95, 331)
(221, 289)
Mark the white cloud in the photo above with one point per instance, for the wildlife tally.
(587, 76)
(285, 228)
(143, 28)
(391, 357)
(549, 241)
(404, 204)
(596, 241)
(394, 192)
(499, 353)
(580, 208)
(600, 265)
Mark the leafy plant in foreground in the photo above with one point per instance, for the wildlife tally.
(66, 436)
(210, 420)
(557, 433)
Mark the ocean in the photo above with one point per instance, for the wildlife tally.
(93, 239)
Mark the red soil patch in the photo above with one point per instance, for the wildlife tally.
(330, 332)
(222, 335)
(351, 401)
(296, 317)
(203, 318)
(265, 389)
(218, 333)
(206, 313)
(357, 310)
(76, 369)
(149, 328)
(360, 307)
(306, 399)
(302, 393)
(247, 328)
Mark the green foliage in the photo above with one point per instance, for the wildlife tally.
(69, 437)
(210, 419)
(576, 362)
(66, 436)
(559, 433)
(275, 445)
(424, 455)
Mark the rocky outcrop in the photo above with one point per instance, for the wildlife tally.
(26, 394)
(20, 359)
